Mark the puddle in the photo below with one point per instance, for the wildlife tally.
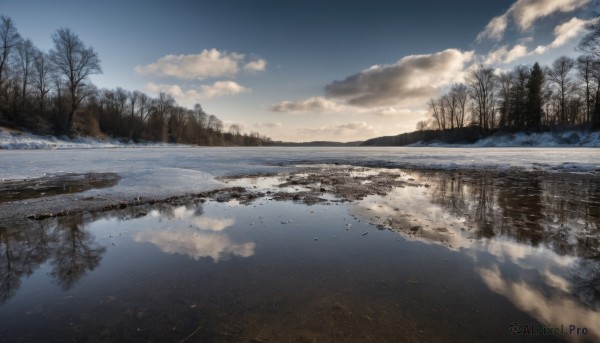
(384, 256)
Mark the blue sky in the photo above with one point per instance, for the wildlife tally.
(307, 70)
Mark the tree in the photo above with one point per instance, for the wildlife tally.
(505, 83)
(9, 40)
(75, 63)
(41, 78)
(559, 75)
(460, 94)
(585, 66)
(482, 84)
(535, 85)
(422, 125)
(590, 43)
(26, 53)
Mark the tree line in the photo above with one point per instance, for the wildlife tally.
(563, 95)
(51, 93)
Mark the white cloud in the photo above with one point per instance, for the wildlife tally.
(207, 64)
(183, 97)
(525, 13)
(221, 88)
(494, 29)
(504, 55)
(256, 65)
(189, 97)
(271, 125)
(340, 132)
(563, 33)
(413, 79)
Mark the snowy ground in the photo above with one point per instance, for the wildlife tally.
(544, 139)
(10, 139)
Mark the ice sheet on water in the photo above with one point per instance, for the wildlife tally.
(174, 170)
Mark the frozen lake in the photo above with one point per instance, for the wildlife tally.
(168, 170)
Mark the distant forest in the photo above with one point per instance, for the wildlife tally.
(562, 96)
(50, 93)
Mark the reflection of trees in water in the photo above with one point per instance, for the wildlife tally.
(22, 250)
(559, 213)
(586, 282)
(26, 245)
(70, 248)
(76, 253)
(532, 209)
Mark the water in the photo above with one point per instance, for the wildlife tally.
(452, 256)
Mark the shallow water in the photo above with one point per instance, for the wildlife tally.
(448, 257)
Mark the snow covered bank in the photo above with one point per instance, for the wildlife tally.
(521, 139)
(23, 140)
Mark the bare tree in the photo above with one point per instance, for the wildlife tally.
(460, 94)
(505, 82)
(26, 52)
(559, 75)
(41, 78)
(422, 125)
(75, 62)
(585, 67)
(482, 84)
(9, 40)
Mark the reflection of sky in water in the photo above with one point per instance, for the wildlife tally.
(539, 256)
(183, 231)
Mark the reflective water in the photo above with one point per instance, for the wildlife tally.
(460, 258)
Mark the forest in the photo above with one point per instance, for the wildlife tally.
(564, 95)
(51, 93)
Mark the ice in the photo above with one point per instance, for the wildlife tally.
(181, 170)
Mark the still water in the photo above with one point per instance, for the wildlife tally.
(450, 257)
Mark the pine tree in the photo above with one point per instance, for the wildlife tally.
(534, 98)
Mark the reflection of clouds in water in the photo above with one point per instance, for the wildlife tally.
(183, 235)
(547, 284)
(217, 246)
(190, 216)
(552, 310)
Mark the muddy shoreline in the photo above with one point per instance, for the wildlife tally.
(56, 196)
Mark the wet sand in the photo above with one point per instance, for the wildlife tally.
(327, 253)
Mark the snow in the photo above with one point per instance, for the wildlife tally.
(543, 139)
(24, 140)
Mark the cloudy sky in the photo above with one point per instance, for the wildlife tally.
(303, 70)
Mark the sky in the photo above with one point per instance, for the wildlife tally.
(304, 70)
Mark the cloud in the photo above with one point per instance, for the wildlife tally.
(207, 64)
(349, 131)
(317, 104)
(272, 125)
(564, 32)
(186, 241)
(256, 65)
(221, 88)
(494, 29)
(525, 13)
(412, 79)
(504, 55)
(193, 95)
